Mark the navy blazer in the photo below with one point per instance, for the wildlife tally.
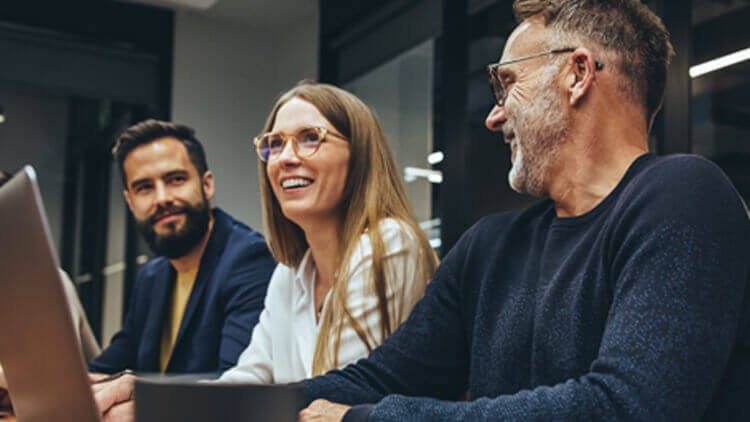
(222, 310)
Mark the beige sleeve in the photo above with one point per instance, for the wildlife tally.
(89, 345)
(3, 383)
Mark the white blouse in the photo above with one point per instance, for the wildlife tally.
(283, 341)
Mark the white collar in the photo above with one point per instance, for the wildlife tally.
(305, 272)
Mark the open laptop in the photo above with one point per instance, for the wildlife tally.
(39, 351)
(41, 356)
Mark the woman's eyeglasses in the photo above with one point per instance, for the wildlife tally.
(305, 142)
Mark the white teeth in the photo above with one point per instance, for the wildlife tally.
(294, 183)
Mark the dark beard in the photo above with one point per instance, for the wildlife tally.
(177, 244)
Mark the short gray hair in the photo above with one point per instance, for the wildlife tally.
(626, 29)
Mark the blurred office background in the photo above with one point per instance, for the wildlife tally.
(74, 74)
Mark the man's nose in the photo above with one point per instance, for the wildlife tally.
(495, 119)
(163, 195)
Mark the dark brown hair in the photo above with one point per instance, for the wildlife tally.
(150, 130)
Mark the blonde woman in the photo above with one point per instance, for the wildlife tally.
(353, 261)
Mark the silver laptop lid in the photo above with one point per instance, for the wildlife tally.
(40, 355)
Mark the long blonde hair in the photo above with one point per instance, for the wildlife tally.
(372, 193)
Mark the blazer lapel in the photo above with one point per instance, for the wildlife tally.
(161, 302)
(209, 261)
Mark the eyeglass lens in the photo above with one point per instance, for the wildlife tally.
(306, 142)
(498, 93)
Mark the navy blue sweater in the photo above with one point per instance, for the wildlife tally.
(636, 310)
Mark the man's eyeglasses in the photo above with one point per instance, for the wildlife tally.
(305, 142)
(496, 85)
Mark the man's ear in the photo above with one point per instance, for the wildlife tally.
(208, 184)
(582, 75)
(126, 194)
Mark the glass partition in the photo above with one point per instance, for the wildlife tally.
(401, 93)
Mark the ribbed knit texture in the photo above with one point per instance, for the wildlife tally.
(636, 310)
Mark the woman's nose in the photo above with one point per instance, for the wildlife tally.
(287, 156)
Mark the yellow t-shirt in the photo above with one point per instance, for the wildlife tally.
(180, 295)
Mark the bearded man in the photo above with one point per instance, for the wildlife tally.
(194, 306)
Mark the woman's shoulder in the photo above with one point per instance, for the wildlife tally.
(283, 272)
(281, 281)
(395, 234)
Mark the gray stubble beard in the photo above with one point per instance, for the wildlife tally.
(540, 130)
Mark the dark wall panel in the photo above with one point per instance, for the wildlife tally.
(357, 55)
(69, 67)
(92, 48)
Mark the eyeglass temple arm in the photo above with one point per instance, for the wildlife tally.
(599, 65)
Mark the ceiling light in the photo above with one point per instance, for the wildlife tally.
(719, 63)
(435, 178)
(430, 224)
(177, 4)
(435, 157)
(2, 114)
(412, 173)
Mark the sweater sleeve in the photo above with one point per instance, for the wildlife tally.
(426, 355)
(679, 278)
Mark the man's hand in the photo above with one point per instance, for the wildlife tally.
(123, 412)
(323, 410)
(96, 376)
(115, 399)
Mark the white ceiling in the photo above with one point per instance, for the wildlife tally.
(251, 12)
(264, 12)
